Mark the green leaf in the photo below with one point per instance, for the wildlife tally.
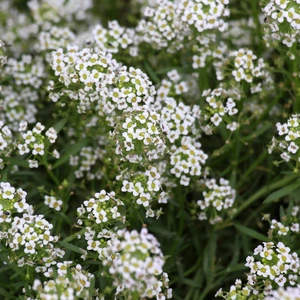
(250, 232)
(261, 129)
(6, 294)
(70, 247)
(151, 73)
(74, 149)
(282, 192)
(60, 124)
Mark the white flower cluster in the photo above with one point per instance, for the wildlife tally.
(53, 202)
(3, 57)
(6, 142)
(187, 159)
(71, 283)
(162, 27)
(286, 226)
(217, 197)
(145, 187)
(12, 201)
(47, 12)
(35, 142)
(18, 104)
(282, 22)
(137, 265)
(30, 238)
(276, 266)
(171, 88)
(245, 66)
(27, 71)
(221, 106)
(167, 24)
(179, 118)
(102, 208)
(131, 88)
(115, 37)
(289, 139)
(240, 32)
(288, 293)
(86, 162)
(208, 49)
(55, 38)
(85, 68)
(139, 136)
(16, 28)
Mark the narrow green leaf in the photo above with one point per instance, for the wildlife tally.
(73, 150)
(6, 294)
(60, 124)
(258, 132)
(70, 247)
(151, 73)
(282, 192)
(250, 232)
(190, 282)
(18, 161)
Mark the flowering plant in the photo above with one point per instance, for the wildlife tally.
(149, 149)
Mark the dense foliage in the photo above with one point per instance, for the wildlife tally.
(149, 149)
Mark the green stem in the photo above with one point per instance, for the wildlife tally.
(265, 190)
(296, 80)
(74, 235)
(48, 170)
(252, 168)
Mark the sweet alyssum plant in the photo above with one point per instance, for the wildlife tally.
(149, 149)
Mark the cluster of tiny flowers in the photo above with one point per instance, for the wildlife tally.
(244, 67)
(18, 104)
(85, 68)
(47, 12)
(3, 57)
(27, 71)
(204, 15)
(139, 136)
(187, 159)
(171, 88)
(145, 188)
(16, 28)
(35, 142)
(217, 198)
(221, 106)
(208, 49)
(275, 269)
(6, 142)
(162, 27)
(30, 240)
(52, 202)
(167, 24)
(288, 141)
(240, 292)
(282, 22)
(287, 226)
(55, 38)
(240, 32)
(87, 163)
(131, 88)
(179, 118)
(276, 266)
(70, 283)
(137, 265)
(102, 209)
(12, 201)
(113, 38)
(288, 293)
